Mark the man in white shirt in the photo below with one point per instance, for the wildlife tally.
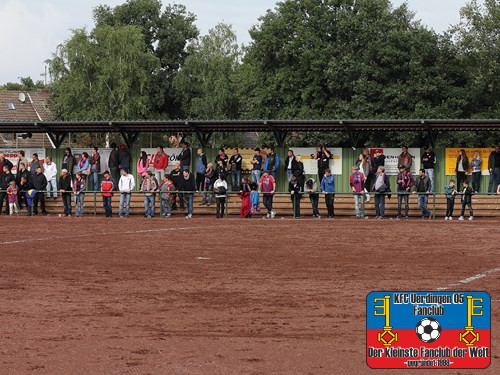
(50, 172)
(126, 186)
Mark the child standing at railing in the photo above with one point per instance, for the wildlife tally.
(466, 201)
(12, 198)
(450, 200)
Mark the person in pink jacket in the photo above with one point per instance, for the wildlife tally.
(142, 166)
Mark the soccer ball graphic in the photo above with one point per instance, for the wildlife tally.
(428, 330)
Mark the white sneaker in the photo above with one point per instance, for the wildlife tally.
(471, 218)
(189, 216)
(450, 218)
(461, 218)
(273, 214)
(446, 217)
(367, 197)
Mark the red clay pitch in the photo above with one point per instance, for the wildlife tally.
(230, 296)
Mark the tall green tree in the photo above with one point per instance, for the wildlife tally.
(102, 75)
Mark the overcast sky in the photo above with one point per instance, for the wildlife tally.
(31, 29)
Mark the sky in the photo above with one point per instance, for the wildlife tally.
(32, 29)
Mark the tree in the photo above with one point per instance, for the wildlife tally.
(102, 75)
(26, 84)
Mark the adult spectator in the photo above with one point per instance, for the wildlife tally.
(357, 182)
(95, 169)
(378, 159)
(79, 191)
(39, 184)
(428, 161)
(5, 180)
(201, 167)
(160, 162)
(21, 159)
(235, 168)
(405, 182)
(494, 169)
(124, 158)
(272, 162)
(188, 186)
(65, 190)
(68, 161)
(149, 185)
(50, 172)
(461, 167)
(185, 156)
(4, 161)
(323, 157)
(295, 195)
(22, 172)
(223, 157)
(267, 186)
(405, 158)
(257, 165)
(299, 172)
(176, 176)
(422, 188)
(311, 187)
(208, 184)
(126, 186)
(107, 187)
(25, 184)
(328, 189)
(290, 164)
(114, 164)
(35, 163)
(143, 166)
(371, 171)
(475, 165)
(381, 187)
(84, 165)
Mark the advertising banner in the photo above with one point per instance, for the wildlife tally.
(391, 159)
(11, 155)
(452, 155)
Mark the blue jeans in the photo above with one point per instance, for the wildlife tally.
(430, 173)
(494, 180)
(422, 203)
(268, 202)
(166, 205)
(235, 180)
(149, 205)
(207, 195)
(106, 203)
(94, 181)
(289, 174)
(52, 186)
(359, 199)
(403, 195)
(188, 198)
(79, 198)
(256, 176)
(124, 200)
(379, 205)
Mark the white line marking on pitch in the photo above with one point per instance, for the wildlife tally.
(470, 279)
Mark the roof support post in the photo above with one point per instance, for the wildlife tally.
(353, 136)
(57, 138)
(129, 138)
(432, 135)
(280, 137)
(203, 137)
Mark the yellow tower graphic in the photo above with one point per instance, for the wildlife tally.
(387, 337)
(469, 336)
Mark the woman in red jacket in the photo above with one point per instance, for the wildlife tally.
(160, 163)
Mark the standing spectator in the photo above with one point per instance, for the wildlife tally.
(405, 158)
(124, 159)
(39, 184)
(371, 170)
(95, 168)
(222, 156)
(114, 164)
(328, 189)
(364, 169)
(4, 161)
(5, 179)
(143, 166)
(244, 194)
(299, 172)
(208, 183)
(107, 187)
(311, 187)
(356, 181)
(466, 194)
(323, 156)
(295, 195)
(450, 200)
(126, 185)
(201, 167)
(176, 177)
(475, 164)
(254, 197)
(160, 163)
(235, 168)
(220, 188)
(267, 186)
(428, 161)
(30, 197)
(405, 182)
(462, 167)
(381, 187)
(35, 163)
(188, 187)
(494, 169)
(185, 156)
(272, 162)
(65, 189)
(68, 161)
(22, 172)
(148, 187)
(220, 170)
(79, 191)
(422, 188)
(290, 164)
(378, 159)
(50, 172)
(166, 201)
(84, 166)
(21, 159)
(12, 197)
(257, 165)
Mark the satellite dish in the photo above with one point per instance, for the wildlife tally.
(22, 97)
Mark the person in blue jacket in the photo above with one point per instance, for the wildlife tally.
(328, 188)
(272, 162)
